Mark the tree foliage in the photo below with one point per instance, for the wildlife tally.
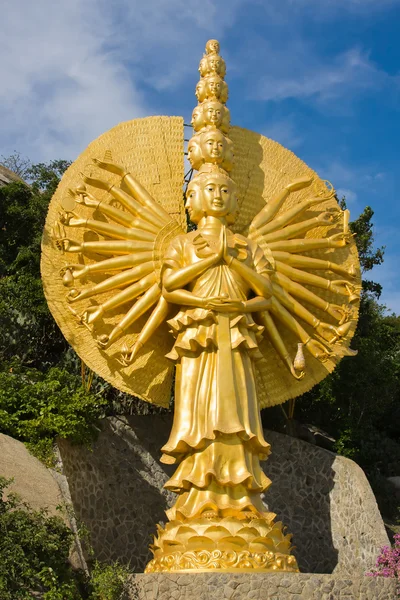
(36, 407)
(17, 163)
(34, 552)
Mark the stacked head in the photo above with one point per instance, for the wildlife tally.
(210, 151)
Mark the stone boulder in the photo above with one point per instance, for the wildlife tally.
(33, 482)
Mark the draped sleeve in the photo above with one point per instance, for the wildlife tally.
(174, 257)
(260, 262)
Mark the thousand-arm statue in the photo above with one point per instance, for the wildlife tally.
(270, 269)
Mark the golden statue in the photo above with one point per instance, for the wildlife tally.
(255, 281)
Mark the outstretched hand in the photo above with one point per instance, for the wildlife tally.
(299, 184)
(98, 183)
(109, 166)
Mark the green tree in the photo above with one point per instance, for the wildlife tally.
(28, 331)
(358, 404)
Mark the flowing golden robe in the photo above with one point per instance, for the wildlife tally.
(216, 438)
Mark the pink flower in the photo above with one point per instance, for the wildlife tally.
(388, 562)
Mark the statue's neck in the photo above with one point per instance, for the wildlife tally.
(211, 225)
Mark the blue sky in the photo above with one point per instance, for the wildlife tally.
(320, 76)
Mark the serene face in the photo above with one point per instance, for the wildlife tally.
(195, 153)
(215, 64)
(200, 91)
(212, 46)
(197, 118)
(218, 196)
(213, 113)
(213, 145)
(193, 203)
(214, 85)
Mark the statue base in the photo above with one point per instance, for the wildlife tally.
(258, 586)
(228, 544)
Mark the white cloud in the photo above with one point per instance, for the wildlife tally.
(328, 8)
(60, 86)
(338, 173)
(71, 70)
(308, 77)
(351, 180)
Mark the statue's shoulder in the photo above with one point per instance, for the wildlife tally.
(182, 241)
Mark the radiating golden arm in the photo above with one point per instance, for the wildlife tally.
(306, 262)
(323, 329)
(135, 207)
(273, 205)
(116, 281)
(116, 263)
(109, 229)
(289, 215)
(299, 228)
(317, 350)
(156, 318)
(307, 245)
(335, 311)
(277, 342)
(119, 247)
(130, 293)
(338, 286)
(138, 191)
(137, 310)
(119, 216)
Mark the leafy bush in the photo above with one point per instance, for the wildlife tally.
(107, 581)
(34, 549)
(36, 407)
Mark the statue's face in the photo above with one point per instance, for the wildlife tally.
(193, 202)
(215, 64)
(218, 196)
(213, 145)
(200, 91)
(215, 86)
(212, 46)
(213, 113)
(197, 118)
(194, 153)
